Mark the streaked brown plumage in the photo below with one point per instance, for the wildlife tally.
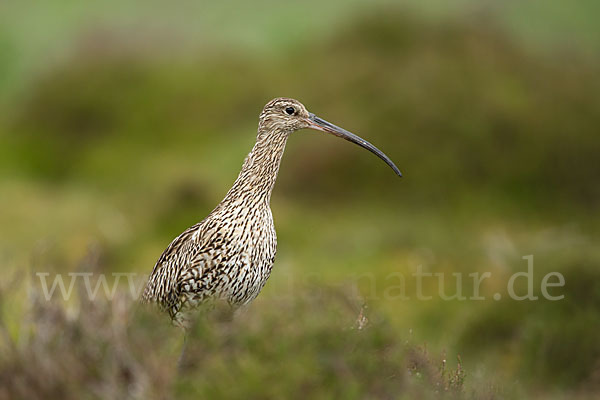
(229, 255)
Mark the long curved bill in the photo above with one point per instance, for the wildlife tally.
(322, 125)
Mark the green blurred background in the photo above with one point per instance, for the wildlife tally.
(122, 123)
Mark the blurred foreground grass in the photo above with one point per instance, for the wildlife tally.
(123, 149)
(311, 346)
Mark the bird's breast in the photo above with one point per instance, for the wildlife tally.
(252, 248)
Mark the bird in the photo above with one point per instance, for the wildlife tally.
(229, 255)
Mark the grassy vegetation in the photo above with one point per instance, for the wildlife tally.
(284, 350)
(120, 146)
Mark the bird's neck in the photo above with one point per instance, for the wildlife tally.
(255, 182)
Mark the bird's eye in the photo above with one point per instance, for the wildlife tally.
(290, 110)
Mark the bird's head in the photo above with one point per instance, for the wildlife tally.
(285, 115)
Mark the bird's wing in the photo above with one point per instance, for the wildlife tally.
(161, 287)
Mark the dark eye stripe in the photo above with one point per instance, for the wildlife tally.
(290, 110)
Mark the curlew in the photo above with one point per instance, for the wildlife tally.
(229, 255)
